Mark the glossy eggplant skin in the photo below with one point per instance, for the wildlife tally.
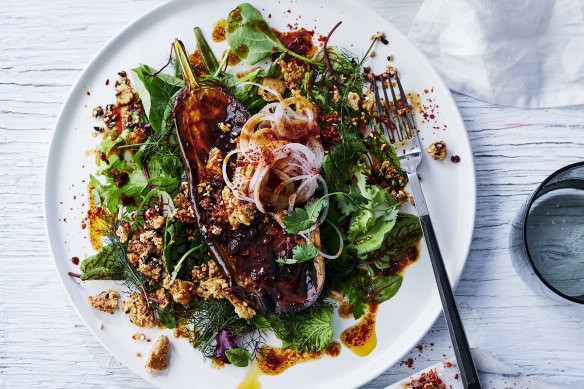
(246, 256)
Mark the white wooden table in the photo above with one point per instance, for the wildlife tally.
(44, 45)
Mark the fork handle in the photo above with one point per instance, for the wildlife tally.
(460, 344)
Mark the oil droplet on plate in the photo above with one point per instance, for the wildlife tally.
(251, 378)
(218, 34)
(360, 338)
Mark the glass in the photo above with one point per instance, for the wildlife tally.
(547, 236)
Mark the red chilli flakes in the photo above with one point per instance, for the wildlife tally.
(429, 380)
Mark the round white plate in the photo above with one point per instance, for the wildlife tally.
(449, 190)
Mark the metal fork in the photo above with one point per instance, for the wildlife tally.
(410, 157)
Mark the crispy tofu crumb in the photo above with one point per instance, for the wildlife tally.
(138, 311)
(372, 54)
(274, 84)
(215, 161)
(217, 363)
(353, 100)
(225, 127)
(138, 354)
(210, 284)
(238, 212)
(158, 358)
(181, 291)
(368, 102)
(106, 301)
(139, 336)
(437, 150)
(379, 35)
(124, 231)
(294, 71)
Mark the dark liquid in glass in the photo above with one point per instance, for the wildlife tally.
(555, 239)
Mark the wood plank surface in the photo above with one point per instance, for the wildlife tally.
(44, 45)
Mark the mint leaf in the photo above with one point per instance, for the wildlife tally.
(306, 330)
(297, 220)
(238, 357)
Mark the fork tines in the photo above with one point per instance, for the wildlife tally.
(403, 124)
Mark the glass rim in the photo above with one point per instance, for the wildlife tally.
(530, 202)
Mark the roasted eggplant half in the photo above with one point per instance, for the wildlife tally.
(208, 121)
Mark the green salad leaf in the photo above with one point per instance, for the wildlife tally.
(385, 287)
(238, 356)
(157, 95)
(309, 329)
(101, 266)
(167, 317)
(251, 38)
(405, 234)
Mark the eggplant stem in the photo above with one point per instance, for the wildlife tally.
(185, 66)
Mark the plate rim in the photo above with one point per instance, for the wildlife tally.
(456, 116)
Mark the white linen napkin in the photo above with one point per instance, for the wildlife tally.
(524, 53)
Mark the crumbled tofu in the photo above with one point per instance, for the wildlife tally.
(133, 258)
(106, 301)
(242, 308)
(123, 231)
(389, 173)
(158, 358)
(210, 284)
(161, 295)
(138, 311)
(336, 96)
(215, 161)
(217, 363)
(138, 354)
(238, 212)
(437, 150)
(294, 71)
(353, 100)
(156, 222)
(399, 195)
(379, 35)
(138, 135)
(225, 127)
(368, 102)
(97, 112)
(184, 211)
(181, 291)
(139, 336)
(372, 54)
(151, 267)
(100, 326)
(145, 243)
(274, 84)
(124, 92)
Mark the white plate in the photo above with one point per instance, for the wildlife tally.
(449, 189)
